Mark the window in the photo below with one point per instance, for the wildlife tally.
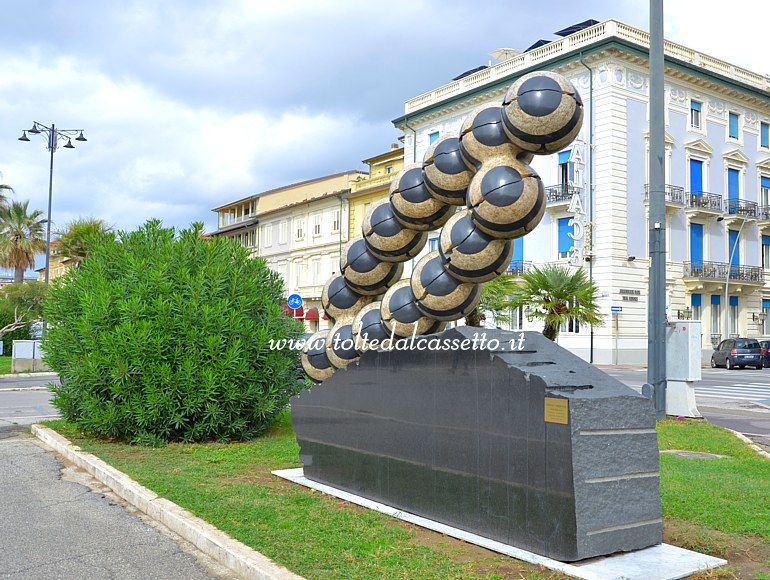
(267, 235)
(565, 242)
(695, 302)
(300, 225)
(571, 325)
(316, 271)
(764, 135)
(283, 231)
(432, 244)
(733, 316)
(715, 314)
(766, 251)
(299, 274)
(566, 169)
(764, 191)
(766, 312)
(336, 221)
(388, 169)
(733, 125)
(696, 177)
(696, 245)
(253, 238)
(432, 137)
(695, 114)
(517, 260)
(733, 188)
(317, 224)
(734, 248)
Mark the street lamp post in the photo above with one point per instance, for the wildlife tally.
(54, 135)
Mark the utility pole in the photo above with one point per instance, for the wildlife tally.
(656, 319)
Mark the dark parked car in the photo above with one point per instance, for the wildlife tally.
(738, 352)
(765, 344)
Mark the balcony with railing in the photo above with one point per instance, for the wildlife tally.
(673, 194)
(706, 275)
(560, 195)
(371, 182)
(764, 216)
(517, 268)
(703, 204)
(740, 210)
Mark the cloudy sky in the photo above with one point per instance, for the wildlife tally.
(189, 104)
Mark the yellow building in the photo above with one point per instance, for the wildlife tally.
(58, 264)
(364, 192)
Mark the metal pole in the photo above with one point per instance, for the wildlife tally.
(727, 278)
(52, 148)
(656, 320)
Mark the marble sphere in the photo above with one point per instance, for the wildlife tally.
(315, 363)
(445, 173)
(340, 344)
(413, 204)
(440, 295)
(483, 137)
(339, 300)
(400, 314)
(388, 238)
(366, 273)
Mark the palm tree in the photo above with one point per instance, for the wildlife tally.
(4, 188)
(495, 298)
(22, 235)
(76, 238)
(555, 294)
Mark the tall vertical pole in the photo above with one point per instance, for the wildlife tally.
(656, 319)
(52, 149)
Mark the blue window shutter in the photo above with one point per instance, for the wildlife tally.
(564, 156)
(766, 240)
(734, 248)
(733, 301)
(732, 184)
(696, 177)
(695, 299)
(764, 135)
(715, 299)
(765, 303)
(696, 243)
(565, 242)
(432, 137)
(695, 106)
(765, 182)
(733, 125)
(518, 250)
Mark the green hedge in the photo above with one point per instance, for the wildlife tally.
(164, 336)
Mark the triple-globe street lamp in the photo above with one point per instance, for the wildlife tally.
(53, 135)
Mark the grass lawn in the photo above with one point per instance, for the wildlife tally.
(5, 365)
(716, 506)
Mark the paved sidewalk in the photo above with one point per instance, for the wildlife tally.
(55, 527)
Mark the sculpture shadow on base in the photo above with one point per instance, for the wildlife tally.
(519, 441)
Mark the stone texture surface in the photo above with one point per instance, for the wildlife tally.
(460, 436)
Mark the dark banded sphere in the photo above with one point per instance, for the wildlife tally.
(340, 344)
(438, 294)
(366, 273)
(445, 173)
(315, 363)
(388, 238)
(400, 314)
(413, 204)
(339, 300)
(507, 199)
(482, 137)
(542, 112)
(471, 255)
(368, 327)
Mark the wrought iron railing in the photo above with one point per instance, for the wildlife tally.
(704, 200)
(517, 268)
(742, 207)
(673, 193)
(719, 271)
(764, 212)
(560, 193)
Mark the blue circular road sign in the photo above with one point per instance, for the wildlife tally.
(294, 301)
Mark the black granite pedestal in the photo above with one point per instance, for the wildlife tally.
(526, 443)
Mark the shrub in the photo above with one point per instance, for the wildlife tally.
(160, 336)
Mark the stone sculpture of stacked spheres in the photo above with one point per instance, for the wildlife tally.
(486, 171)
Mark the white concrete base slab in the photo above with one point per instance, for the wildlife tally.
(661, 562)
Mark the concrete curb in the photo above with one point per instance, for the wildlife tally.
(28, 375)
(751, 443)
(242, 560)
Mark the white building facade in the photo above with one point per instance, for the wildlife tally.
(717, 174)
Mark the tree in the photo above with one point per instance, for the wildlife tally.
(3, 198)
(556, 295)
(495, 299)
(165, 336)
(22, 235)
(20, 304)
(76, 239)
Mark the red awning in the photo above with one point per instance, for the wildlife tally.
(326, 316)
(298, 313)
(312, 314)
